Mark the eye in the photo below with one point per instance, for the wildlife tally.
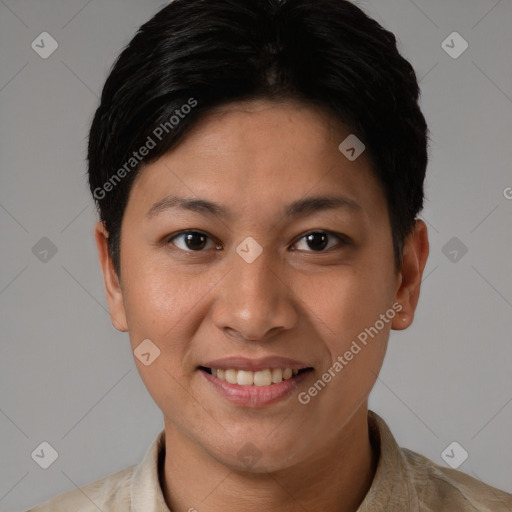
(319, 240)
(192, 241)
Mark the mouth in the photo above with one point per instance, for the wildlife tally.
(255, 382)
(259, 378)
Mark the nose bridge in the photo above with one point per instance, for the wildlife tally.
(254, 298)
(254, 281)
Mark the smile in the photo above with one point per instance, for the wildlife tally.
(266, 377)
(260, 387)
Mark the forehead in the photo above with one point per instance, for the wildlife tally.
(260, 152)
(265, 129)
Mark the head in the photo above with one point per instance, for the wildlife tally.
(228, 120)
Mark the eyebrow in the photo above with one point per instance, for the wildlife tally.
(298, 208)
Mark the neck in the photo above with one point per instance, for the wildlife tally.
(336, 479)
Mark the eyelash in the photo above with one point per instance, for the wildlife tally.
(343, 239)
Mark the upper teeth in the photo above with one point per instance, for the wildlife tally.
(259, 378)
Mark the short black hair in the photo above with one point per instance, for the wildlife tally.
(195, 55)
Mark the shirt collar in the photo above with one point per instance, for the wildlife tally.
(392, 486)
(146, 488)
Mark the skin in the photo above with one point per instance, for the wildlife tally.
(294, 300)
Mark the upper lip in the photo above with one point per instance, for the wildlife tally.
(256, 364)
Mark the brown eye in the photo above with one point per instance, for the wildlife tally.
(317, 241)
(194, 241)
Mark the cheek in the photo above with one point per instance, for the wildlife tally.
(159, 300)
(346, 306)
(345, 302)
(160, 306)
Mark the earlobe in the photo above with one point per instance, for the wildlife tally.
(415, 254)
(110, 279)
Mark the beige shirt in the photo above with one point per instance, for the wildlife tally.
(404, 481)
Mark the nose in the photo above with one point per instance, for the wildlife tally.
(254, 300)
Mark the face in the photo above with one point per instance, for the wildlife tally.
(256, 245)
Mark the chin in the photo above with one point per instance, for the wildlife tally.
(257, 453)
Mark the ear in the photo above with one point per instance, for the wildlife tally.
(415, 253)
(110, 279)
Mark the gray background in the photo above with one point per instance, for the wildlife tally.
(68, 378)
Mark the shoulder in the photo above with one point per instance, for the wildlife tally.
(108, 494)
(452, 489)
(134, 488)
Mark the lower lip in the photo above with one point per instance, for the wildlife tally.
(255, 396)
